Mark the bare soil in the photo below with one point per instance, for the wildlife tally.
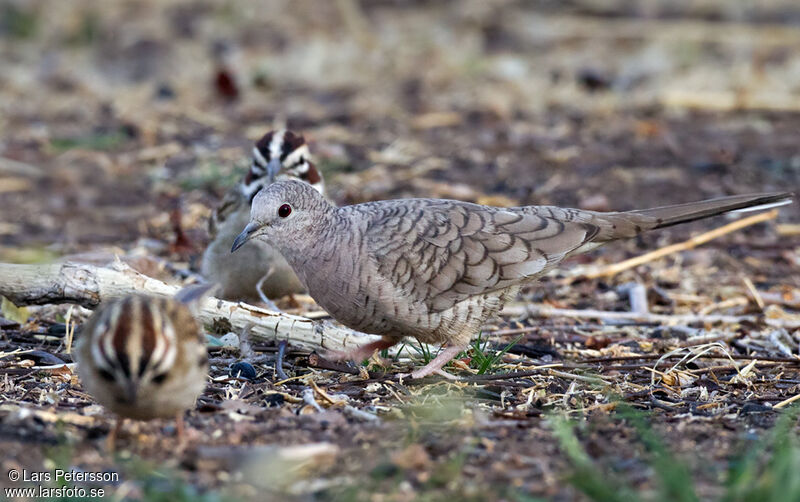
(117, 136)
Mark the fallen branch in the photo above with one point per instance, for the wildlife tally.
(88, 286)
(695, 241)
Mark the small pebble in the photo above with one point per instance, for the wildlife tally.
(230, 340)
(274, 400)
(57, 329)
(243, 370)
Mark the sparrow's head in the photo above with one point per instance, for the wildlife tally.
(284, 211)
(134, 344)
(281, 155)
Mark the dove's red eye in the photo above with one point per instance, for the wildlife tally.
(285, 210)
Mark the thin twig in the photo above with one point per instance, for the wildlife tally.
(511, 374)
(515, 331)
(596, 380)
(788, 229)
(70, 330)
(12, 166)
(786, 402)
(548, 311)
(691, 354)
(308, 398)
(610, 359)
(751, 288)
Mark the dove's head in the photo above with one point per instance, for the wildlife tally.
(283, 213)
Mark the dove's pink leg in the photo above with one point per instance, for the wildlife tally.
(435, 366)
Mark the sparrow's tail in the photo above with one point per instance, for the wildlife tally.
(683, 213)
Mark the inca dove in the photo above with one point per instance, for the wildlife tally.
(277, 155)
(437, 269)
(144, 357)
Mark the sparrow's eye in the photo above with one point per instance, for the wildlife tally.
(285, 210)
(105, 375)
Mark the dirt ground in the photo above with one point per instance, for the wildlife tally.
(123, 123)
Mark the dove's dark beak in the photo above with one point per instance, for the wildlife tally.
(243, 237)
(273, 168)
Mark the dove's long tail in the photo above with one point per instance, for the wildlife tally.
(683, 213)
(612, 226)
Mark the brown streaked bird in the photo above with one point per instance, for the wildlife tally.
(144, 357)
(278, 155)
(436, 269)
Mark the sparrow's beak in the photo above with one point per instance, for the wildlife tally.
(244, 236)
(273, 168)
(131, 391)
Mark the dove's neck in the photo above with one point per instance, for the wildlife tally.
(325, 257)
(312, 241)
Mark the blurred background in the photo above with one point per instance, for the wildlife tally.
(118, 118)
(123, 123)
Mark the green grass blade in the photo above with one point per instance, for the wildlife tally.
(593, 482)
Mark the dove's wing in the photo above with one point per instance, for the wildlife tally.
(442, 252)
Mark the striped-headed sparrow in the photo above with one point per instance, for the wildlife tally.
(278, 155)
(144, 357)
